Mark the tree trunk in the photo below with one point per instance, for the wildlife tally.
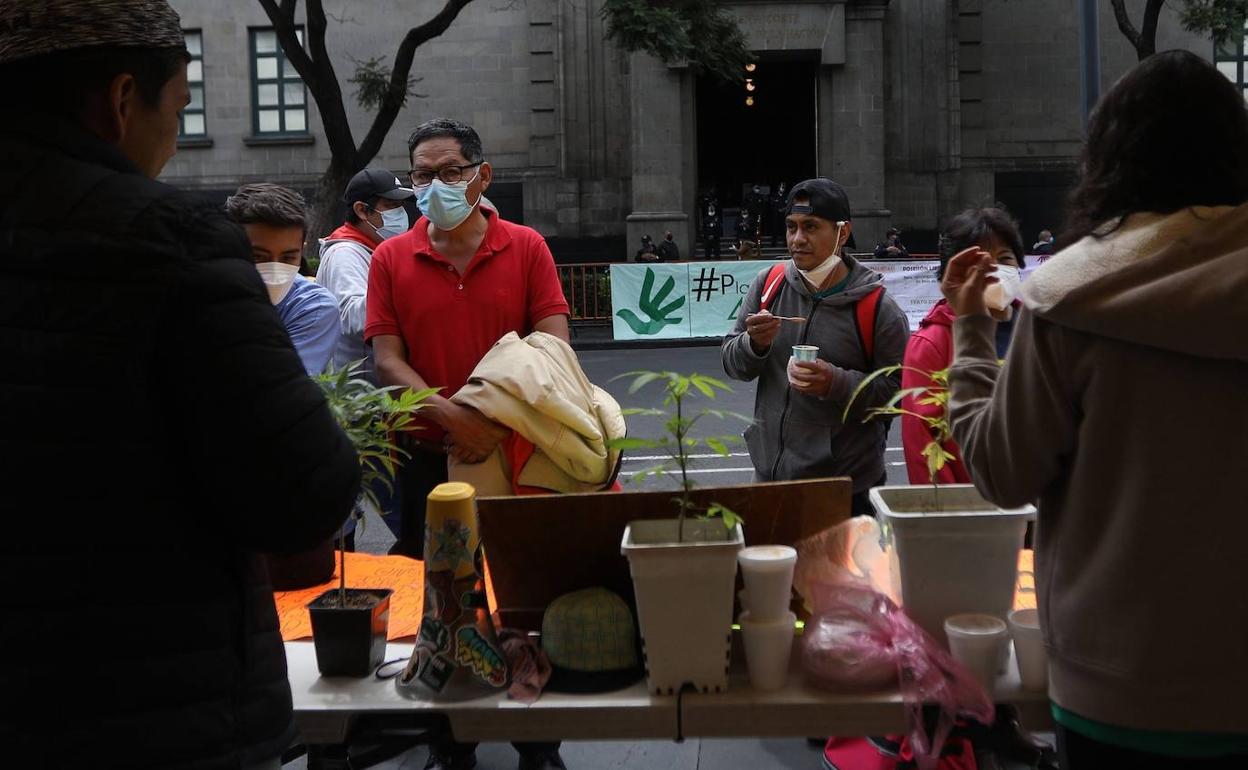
(326, 209)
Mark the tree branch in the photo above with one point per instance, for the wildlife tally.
(283, 21)
(329, 99)
(1148, 32)
(317, 71)
(393, 102)
(1124, 24)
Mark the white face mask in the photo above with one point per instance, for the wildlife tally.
(818, 274)
(999, 295)
(393, 222)
(278, 277)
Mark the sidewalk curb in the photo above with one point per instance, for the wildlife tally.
(685, 342)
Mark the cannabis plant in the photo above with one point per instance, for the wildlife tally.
(677, 443)
(372, 417)
(936, 393)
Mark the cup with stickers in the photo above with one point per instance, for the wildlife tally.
(457, 655)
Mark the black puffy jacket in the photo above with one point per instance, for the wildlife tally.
(157, 430)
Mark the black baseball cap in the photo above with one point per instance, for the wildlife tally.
(376, 183)
(825, 199)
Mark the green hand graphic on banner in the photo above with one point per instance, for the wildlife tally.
(651, 307)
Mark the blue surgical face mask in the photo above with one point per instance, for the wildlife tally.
(446, 205)
(393, 222)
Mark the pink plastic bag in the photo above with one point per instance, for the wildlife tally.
(860, 639)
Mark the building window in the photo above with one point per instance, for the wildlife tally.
(278, 97)
(1231, 59)
(191, 123)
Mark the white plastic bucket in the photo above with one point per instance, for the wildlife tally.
(953, 551)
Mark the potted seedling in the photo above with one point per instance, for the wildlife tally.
(349, 625)
(953, 551)
(683, 568)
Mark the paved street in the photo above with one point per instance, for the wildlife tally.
(735, 754)
(709, 469)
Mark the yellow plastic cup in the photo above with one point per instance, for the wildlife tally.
(451, 531)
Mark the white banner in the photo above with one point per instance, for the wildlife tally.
(912, 284)
(702, 299)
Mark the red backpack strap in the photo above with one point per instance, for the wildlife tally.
(865, 313)
(775, 279)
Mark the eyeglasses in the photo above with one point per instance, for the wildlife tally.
(423, 177)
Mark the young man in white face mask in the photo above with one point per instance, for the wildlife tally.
(797, 431)
(439, 297)
(273, 217)
(376, 212)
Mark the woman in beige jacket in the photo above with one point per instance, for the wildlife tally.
(1123, 409)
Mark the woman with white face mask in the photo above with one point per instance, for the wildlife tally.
(994, 232)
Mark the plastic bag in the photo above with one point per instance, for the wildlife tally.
(858, 638)
(843, 649)
(851, 548)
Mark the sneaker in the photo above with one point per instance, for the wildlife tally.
(541, 760)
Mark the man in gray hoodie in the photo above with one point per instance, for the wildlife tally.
(797, 431)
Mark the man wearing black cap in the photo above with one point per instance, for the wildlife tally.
(375, 212)
(797, 431)
(158, 428)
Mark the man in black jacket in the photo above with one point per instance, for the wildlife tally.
(157, 429)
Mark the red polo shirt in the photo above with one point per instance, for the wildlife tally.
(449, 321)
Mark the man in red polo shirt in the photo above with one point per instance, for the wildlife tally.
(439, 296)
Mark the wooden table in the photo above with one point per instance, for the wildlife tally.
(327, 709)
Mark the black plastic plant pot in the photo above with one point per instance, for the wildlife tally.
(351, 640)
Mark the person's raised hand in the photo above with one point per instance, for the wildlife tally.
(967, 274)
(470, 436)
(762, 328)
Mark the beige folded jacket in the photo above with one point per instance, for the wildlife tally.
(536, 387)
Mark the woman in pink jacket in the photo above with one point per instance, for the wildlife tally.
(931, 347)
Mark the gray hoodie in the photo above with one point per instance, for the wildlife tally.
(1121, 408)
(344, 271)
(796, 436)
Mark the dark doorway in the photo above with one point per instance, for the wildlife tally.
(1037, 199)
(772, 140)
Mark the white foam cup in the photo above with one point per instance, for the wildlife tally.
(976, 641)
(1033, 661)
(768, 646)
(767, 571)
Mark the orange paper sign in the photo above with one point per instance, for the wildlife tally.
(405, 576)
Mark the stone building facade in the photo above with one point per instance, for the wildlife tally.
(921, 107)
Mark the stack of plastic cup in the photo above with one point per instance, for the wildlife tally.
(767, 625)
(978, 642)
(1033, 662)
